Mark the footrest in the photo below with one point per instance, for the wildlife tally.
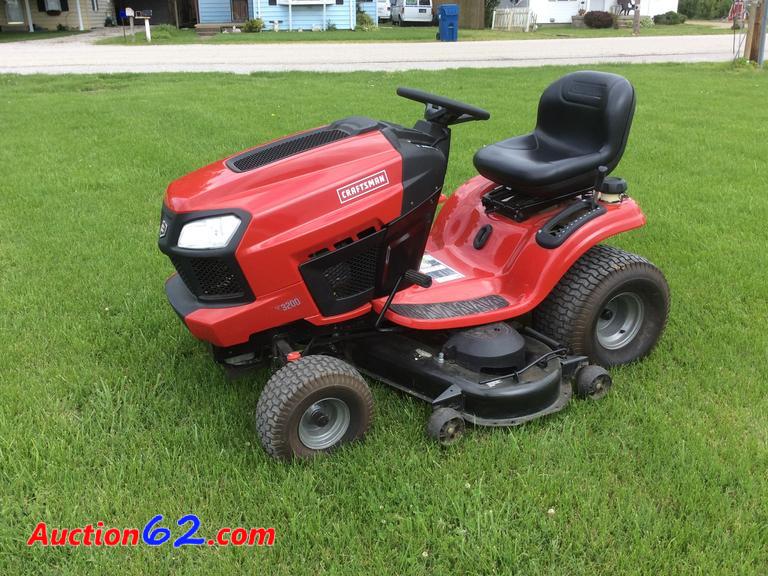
(439, 310)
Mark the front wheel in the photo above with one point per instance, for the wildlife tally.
(311, 406)
(611, 306)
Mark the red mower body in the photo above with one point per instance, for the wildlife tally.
(347, 195)
(321, 253)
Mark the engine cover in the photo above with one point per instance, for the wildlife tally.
(491, 347)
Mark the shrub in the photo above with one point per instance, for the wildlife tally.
(669, 18)
(164, 32)
(364, 21)
(598, 19)
(646, 22)
(330, 26)
(490, 6)
(61, 28)
(704, 9)
(255, 25)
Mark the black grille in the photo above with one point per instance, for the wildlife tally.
(353, 276)
(210, 278)
(346, 278)
(284, 148)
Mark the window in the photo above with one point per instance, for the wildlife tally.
(95, 5)
(425, 2)
(14, 12)
(52, 5)
(410, 2)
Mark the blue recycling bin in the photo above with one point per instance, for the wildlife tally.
(449, 22)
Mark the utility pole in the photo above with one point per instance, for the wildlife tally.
(762, 30)
(636, 19)
(755, 32)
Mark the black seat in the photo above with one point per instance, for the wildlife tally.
(583, 123)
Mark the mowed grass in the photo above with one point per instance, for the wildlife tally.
(388, 33)
(38, 35)
(110, 411)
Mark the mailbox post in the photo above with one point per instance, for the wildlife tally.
(145, 15)
(129, 14)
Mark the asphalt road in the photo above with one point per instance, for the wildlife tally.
(78, 55)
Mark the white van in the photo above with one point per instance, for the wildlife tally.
(406, 12)
(384, 9)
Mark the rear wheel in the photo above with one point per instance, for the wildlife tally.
(611, 306)
(311, 406)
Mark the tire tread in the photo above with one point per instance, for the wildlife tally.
(560, 316)
(286, 389)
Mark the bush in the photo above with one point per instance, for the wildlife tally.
(598, 19)
(164, 32)
(364, 21)
(61, 28)
(255, 25)
(490, 6)
(646, 22)
(330, 26)
(704, 9)
(669, 18)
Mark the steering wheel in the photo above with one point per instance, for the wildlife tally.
(444, 110)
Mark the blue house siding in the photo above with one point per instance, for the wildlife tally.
(297, 18)
(372, 11)
(215, 11)
(302, 17)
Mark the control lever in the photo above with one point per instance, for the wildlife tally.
(602, 172)
(418, 278)
(412, 276)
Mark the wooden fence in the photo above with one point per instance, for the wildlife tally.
(471, 12)
(514, 19)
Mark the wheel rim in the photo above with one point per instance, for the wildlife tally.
(620, 320)
(324, 423)
(451, 431)
(600, 387)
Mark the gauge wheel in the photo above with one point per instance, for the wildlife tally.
(446, 426)
(611, 306)
(592, 382)
(312, 406)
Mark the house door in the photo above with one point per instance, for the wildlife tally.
(239, 10)
(14, 12)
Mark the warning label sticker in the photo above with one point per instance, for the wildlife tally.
(439, 272)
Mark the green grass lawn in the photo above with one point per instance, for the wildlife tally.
(386, 33)
(39, 35)
(110, 411)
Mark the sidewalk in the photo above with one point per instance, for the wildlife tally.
(72, 56)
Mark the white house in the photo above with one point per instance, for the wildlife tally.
(560, 11)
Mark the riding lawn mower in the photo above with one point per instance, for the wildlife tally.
(321, 253)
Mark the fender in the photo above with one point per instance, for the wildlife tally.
(511, 264)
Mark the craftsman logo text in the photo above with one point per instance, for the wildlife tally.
(362, 186)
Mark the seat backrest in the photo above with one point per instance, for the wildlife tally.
(587, 112)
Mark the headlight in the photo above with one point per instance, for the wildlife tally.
(208, 233)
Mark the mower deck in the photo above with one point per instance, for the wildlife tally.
(418, 366)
